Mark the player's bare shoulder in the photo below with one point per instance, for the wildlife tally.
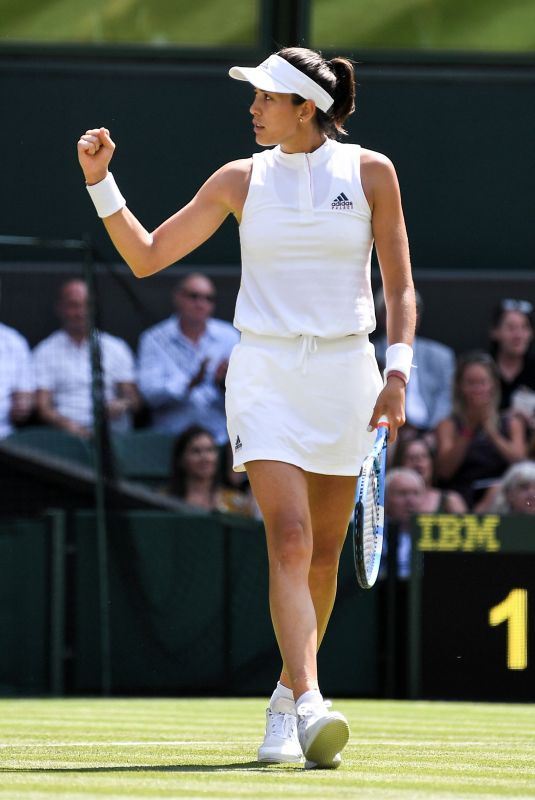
(377, 173)
(236, 172)
(232, 181)
(375, 165)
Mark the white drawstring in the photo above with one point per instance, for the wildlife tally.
(308, 345)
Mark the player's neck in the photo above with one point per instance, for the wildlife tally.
(306, 142)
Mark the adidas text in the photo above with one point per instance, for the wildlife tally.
(342, 202)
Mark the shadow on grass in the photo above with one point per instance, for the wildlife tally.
(250, 766)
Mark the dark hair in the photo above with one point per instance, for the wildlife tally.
(400, 450)
(403, 445)
(185, 279)
(178, 481)
(336, 76)
(499, 311)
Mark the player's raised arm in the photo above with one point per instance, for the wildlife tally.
(144, 252)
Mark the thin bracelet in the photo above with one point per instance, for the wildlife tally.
(395, 373)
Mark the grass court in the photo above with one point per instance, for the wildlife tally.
(206, 748)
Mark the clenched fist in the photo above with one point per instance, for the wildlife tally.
(95, 151)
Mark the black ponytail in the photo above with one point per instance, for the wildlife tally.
(344, 93)
(337, 77)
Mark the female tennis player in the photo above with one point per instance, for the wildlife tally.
(304, 393)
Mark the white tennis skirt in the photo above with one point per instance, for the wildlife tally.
(305, 401)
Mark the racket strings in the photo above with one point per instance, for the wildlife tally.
(370, 521)
(369, 515)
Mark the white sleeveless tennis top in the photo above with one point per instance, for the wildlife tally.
(306, 243)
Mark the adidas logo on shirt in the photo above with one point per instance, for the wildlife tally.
(342, 202)
(237, 446)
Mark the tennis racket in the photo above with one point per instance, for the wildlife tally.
(369, 510)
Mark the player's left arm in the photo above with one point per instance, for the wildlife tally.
(381, 187)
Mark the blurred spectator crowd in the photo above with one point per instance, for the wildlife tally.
(468, 445)
(470, 432)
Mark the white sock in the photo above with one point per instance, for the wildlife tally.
(313, 696)
(281, 692)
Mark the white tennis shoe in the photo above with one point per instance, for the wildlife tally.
(281, 744)
(322, 734)
(335, 763)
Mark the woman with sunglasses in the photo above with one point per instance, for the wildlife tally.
(511, 337)
(304, 393)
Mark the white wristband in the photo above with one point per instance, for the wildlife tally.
(399, 359)
(106, 196)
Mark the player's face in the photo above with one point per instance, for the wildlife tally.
(200, 457)
(275, 118)
(513, 333)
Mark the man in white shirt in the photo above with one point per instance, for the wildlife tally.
(62, 366)
(183, 362)
(16, 379)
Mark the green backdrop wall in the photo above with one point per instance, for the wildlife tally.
(188, 609)
(460, 134)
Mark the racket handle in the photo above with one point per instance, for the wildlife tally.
(383, 422)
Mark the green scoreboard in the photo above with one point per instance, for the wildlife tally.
(472, 607)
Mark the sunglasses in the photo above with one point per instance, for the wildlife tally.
(524, 306)
(209, 298)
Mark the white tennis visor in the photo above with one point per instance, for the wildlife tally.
(275, 74)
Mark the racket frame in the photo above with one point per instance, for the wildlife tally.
(374, 465)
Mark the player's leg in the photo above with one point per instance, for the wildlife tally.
(284, 494)
(331, 502)
(281, 491)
